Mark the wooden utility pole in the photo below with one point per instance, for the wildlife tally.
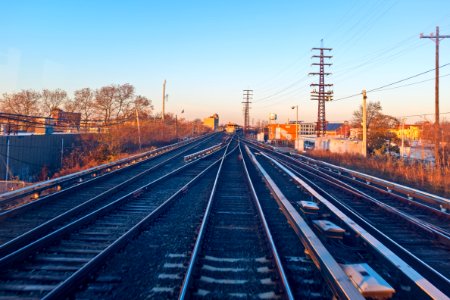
(364, 124)
(138, 128)
(437, 135)
(163, 100)
(296, 125)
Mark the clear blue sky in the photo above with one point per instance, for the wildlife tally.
(209, 51)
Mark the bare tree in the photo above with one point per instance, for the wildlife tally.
(85, 103)
(70, 106)
(25, 102)
(52, 100)
(373, 111)
(143, 105)
(123, 99)
(105, 102)
(114, 101)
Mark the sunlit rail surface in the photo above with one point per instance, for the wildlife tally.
(223, 217)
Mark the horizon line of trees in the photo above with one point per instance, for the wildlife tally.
(107, 103)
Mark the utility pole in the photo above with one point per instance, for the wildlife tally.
(437, 133)
(163, 100)
(138, 128)
(248, 94)
(364, 123)
(403, 137)
(321, 95)
(296, 125)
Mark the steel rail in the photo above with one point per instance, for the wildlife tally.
(27, 250)
(438, 201)
(437, 208)
(409, 191)
(201, 153)
(91, 174)
(339, 282)
(36, 232)
(188, 275)
(50, 197)
(415, 277)
(441, 234)
(74, 281)
(405, 253)
(271, 242)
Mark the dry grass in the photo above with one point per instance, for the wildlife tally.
(415, 174)
(122, 141)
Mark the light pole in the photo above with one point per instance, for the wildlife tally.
(296, 124)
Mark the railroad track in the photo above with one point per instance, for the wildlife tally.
(428, 220)
(426, 240)
(238, 229)
(75, 181)
(24, 224)
(163, 249)
(432, 204)
(415, 209)
(57, 263)
(402, 238)
(169, 255)
(231, 257)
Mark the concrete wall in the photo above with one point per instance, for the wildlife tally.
(28, 154)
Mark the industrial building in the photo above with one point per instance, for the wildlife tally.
(212, 122)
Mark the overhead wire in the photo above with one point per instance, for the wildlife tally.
(413, 83)
(392, 83)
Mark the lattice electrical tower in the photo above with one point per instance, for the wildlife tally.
(320, 94)
(248, 95)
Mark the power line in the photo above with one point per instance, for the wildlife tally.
(392, 83)
(410, 84)
(405, 79)
(420, 115)
(263, 99)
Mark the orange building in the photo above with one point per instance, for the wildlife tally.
(283, 132)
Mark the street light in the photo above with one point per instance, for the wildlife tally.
(296, 124)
